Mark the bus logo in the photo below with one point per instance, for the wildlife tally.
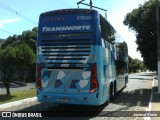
(66, 28)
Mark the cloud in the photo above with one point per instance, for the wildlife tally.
(2, 22)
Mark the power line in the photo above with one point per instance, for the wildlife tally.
(7, 31)
(2, 5)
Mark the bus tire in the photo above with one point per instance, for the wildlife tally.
(126, 81)
(108, 94)
(111, 93)
(115, 89)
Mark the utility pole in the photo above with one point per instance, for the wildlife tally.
(80, 2)
(90, 4)
(158, 41)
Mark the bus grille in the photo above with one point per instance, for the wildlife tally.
(71, 51)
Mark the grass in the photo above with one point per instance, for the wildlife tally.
(17, 96)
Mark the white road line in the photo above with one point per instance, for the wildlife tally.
(150, 101)
(150, 105)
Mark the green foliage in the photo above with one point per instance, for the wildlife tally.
(18, 50)
(25, 54)
(13, 56)
(17, 54)
(136, 65)
(143, 21)
(28, 37)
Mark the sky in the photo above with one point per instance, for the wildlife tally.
(14, 23)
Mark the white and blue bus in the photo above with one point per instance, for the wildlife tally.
(81, 59)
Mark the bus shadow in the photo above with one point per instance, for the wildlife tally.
(128, 99)
(61, 111)
(156, 95)
(138, 97)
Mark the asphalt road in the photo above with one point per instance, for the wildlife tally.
(135, 97)
(17, 87)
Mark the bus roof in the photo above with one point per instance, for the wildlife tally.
(69, 11)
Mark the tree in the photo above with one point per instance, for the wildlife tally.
(27, 36)
(10, 40)
(135, 65)
(30, 37)
(11, 57)
(143, 21)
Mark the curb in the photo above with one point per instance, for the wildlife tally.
(156, 97)
(16, 103)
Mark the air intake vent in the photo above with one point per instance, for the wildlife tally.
(60, 50)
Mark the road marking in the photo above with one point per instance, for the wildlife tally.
(150, 105)
(150, 101)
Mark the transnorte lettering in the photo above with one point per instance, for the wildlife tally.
(66, 28)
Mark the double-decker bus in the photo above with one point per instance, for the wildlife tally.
(81, 59)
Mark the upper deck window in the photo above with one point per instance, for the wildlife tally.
(107, 31)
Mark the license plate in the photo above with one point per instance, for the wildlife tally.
(64, 100)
